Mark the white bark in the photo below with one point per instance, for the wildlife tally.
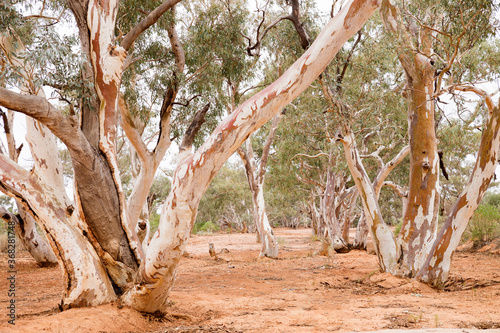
(107, 61)
(87, 282)
(436, 268)
(25, 229)
(385, 244)
(269, 244)
(255, 177)
(329, 204)
(194, 173)
(361, 237)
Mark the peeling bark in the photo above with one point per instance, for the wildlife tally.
(436, 268)
(330, 202)
(362, 231)
(419, 227)
(385, 244)
(86, 280)
(255, 178)
(25, 229)
(194, 173)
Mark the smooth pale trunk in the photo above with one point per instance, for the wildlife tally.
(318, 227)
(36, 245)
(347, 213)
(269, 244)
(142, 178)
(385, 244)
(328, 210)
(361, 237)
(87, 282)
(194, 173)
(360, 240)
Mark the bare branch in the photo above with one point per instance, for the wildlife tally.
(347, 62)
(131, 131)
(309, 156)
(376, 156)
(401, 191)
(305, 40)
(387, 169)
(171, 93)
(256, 46)
(480, 92)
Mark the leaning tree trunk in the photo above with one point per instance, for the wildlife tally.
(383, 238)
(86, 281)
(46, 161)
(25, 229)
(194, 173)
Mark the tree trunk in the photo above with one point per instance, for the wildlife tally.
(25, 229)
(194, 173)
(269, 244)
(361, 237)
(420, 219)
(436, 268)
(86, 281)
(329, 205)
(47, 164)
(385, 244)
(255, 178)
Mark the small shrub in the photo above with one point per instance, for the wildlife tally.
(205, 227)
(398, 226)
(154, 222)
(484, 226)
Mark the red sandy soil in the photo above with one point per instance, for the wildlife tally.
(300, 292)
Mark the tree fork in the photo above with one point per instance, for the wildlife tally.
(194, 173)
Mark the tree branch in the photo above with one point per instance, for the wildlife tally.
(194, 127)
(147, 22)
(131, 131)
(400, 190)
(64, 127)
(387, 169)
(170, 95)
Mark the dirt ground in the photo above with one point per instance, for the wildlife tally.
(300, 292)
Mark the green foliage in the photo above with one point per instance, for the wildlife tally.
(7, 203)
(9, 17)
(492, 199)
(227, 200)
(484, 226)
(154, 221)
(207, 227)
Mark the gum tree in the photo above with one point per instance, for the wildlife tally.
(428, 49)
(95, 237)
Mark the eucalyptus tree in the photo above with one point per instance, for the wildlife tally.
(356, 90)
(235, 77)
(95, 237)
(255, 165)
(430, 39)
